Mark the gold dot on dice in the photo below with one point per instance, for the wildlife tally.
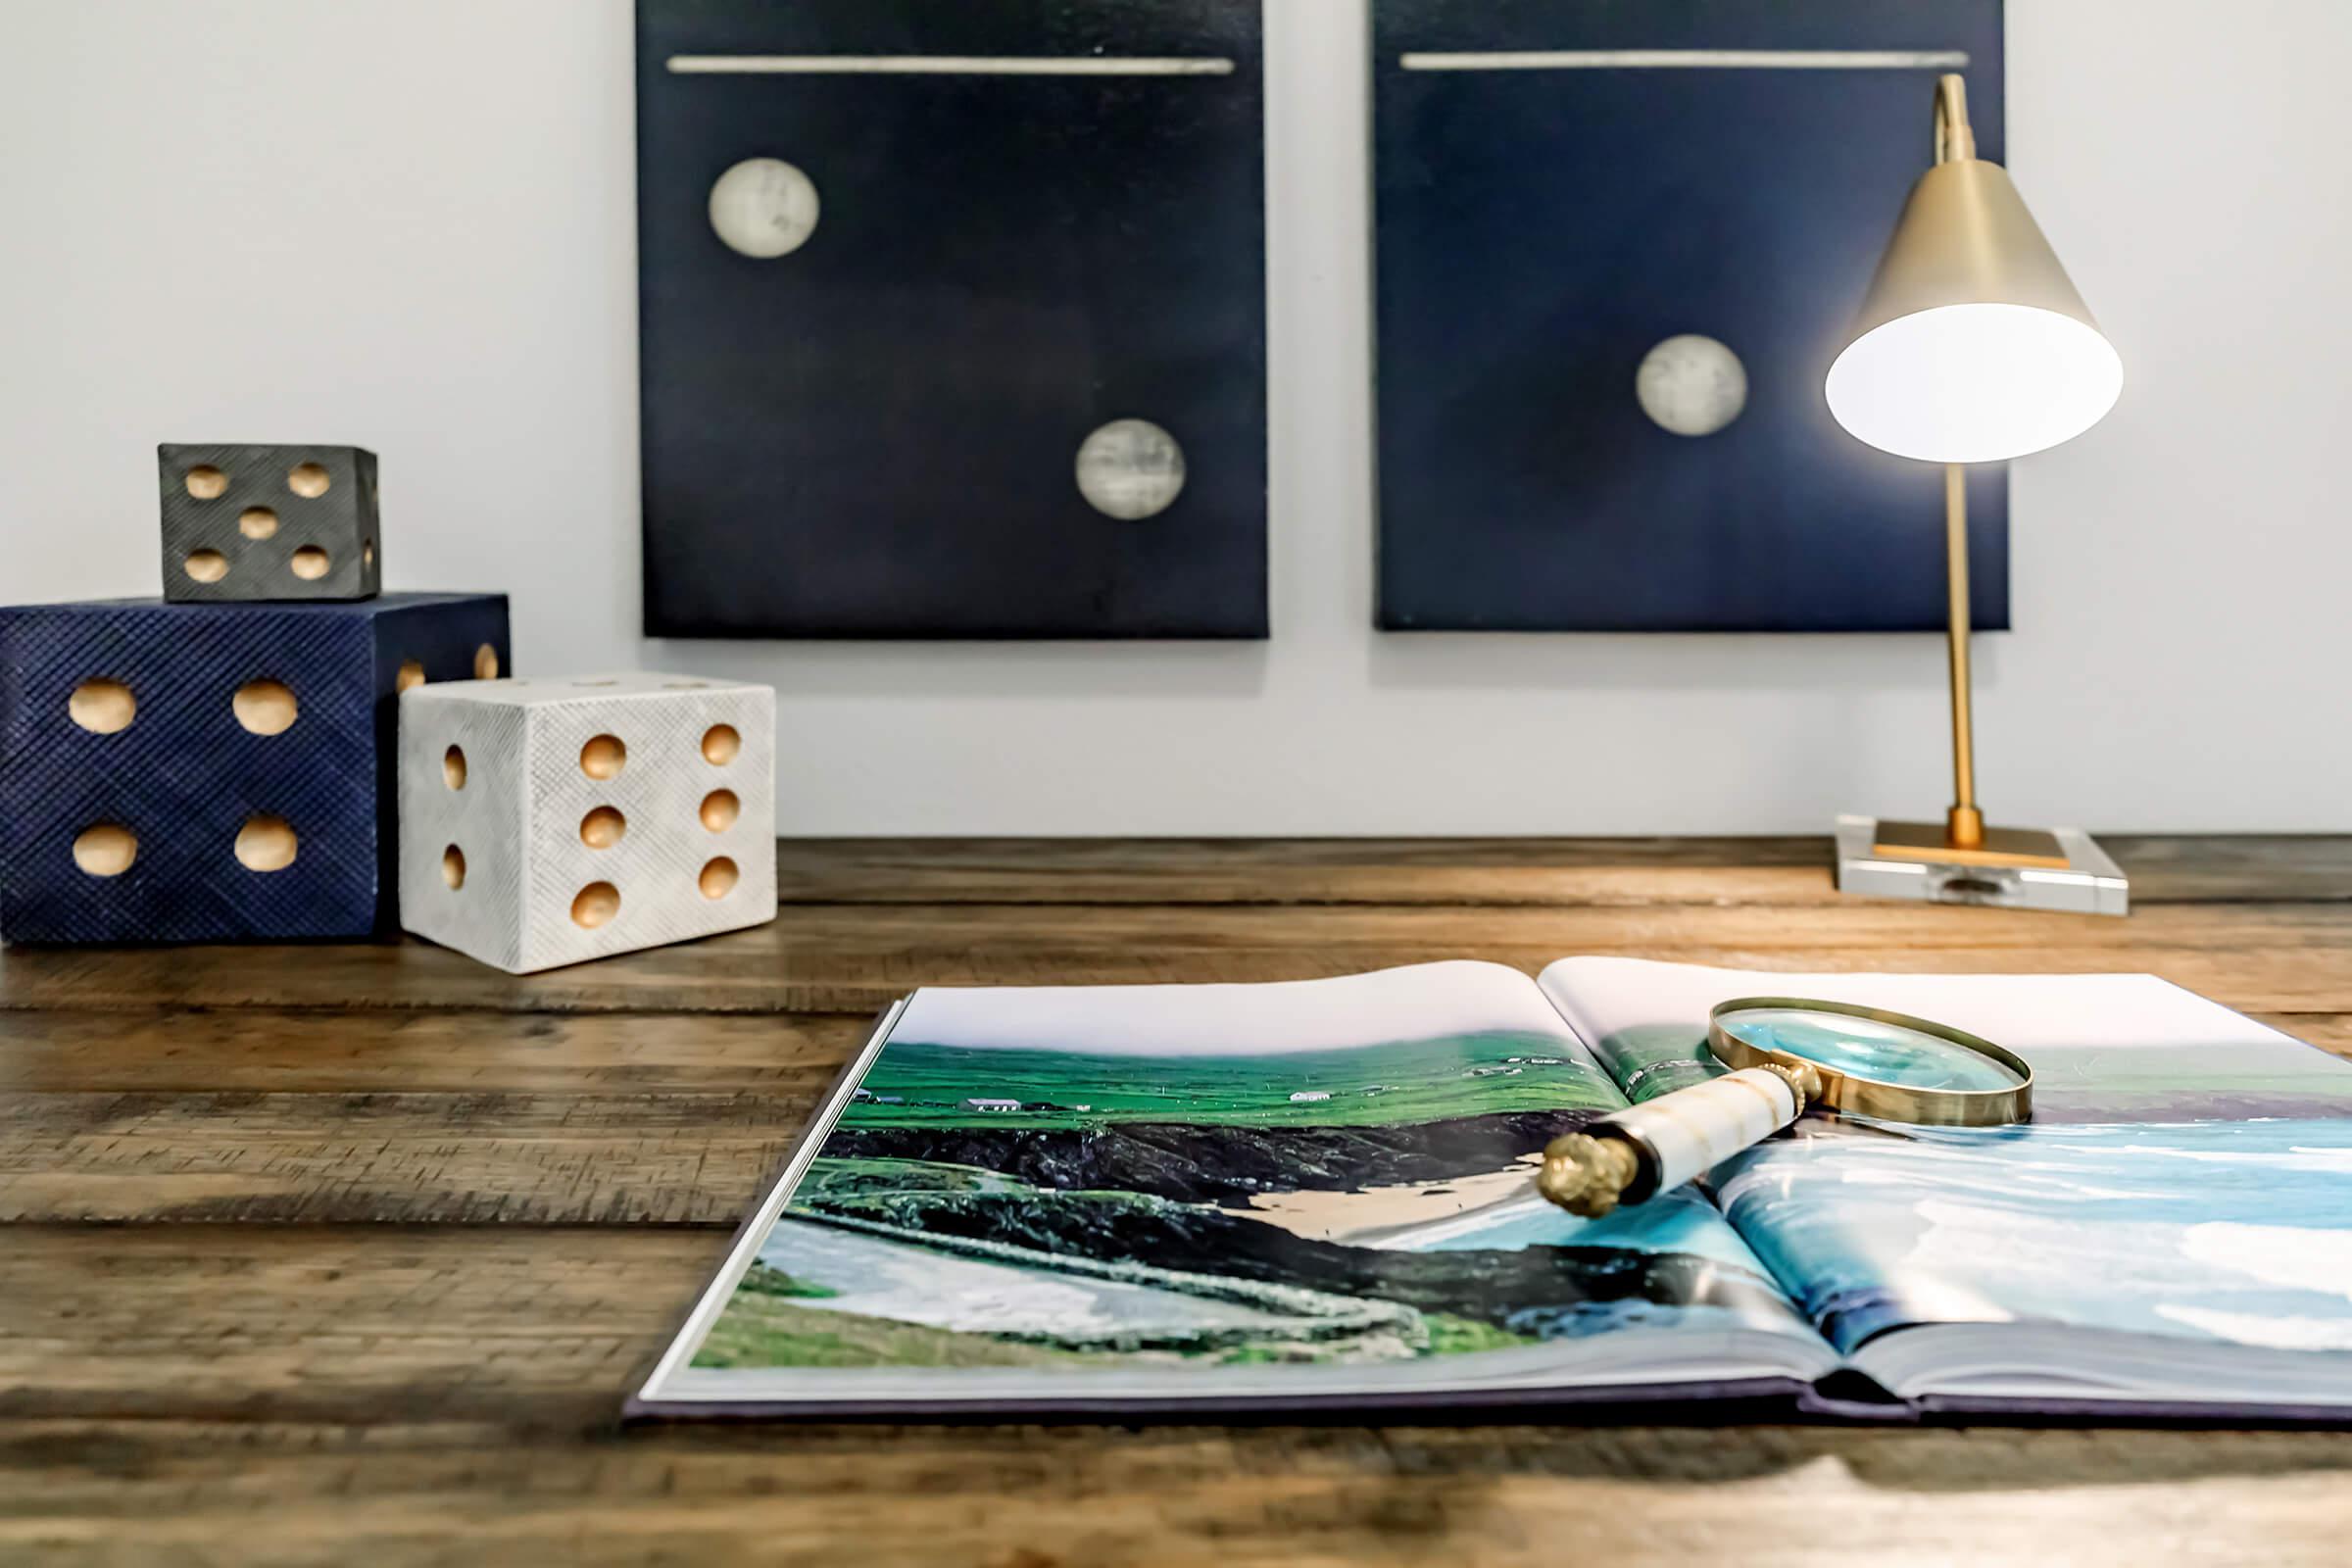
(602, 827)
(265, 844)
(308, 480)
(206, 482)
(603, 757)
(598, 903)
(453, 868)
(106, 849)
(206, 565)
(485, 662)
(410, 677)
(453, 767)
(720, 877)
(256, 522)
(720, 809)
(721, 744)
(309, 563)
(264, 706)
(102, 706)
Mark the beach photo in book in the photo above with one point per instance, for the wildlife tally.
(1320, 1193)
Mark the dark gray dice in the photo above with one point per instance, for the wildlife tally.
(268, 523)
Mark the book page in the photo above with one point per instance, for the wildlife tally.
(1226, 1191)
(2187, 1171)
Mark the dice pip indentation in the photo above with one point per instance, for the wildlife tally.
(261, 524)
(549, 821)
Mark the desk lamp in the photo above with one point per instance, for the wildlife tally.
(1971, 346)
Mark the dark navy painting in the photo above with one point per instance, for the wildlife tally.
(953, 318)
(1618, 245)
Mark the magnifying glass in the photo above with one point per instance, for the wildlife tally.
(1787, 1054)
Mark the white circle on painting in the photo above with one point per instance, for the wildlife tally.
(1129, 470)
(764, 207)
(1691, 385)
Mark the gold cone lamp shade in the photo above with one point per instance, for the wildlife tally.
(1971, 346)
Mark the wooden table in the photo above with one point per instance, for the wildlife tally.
(350, 1254)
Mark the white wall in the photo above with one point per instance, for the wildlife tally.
(409, 224)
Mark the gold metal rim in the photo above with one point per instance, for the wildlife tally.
(1868, 1096)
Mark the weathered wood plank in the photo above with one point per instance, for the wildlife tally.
(404, 1393)
(472, 1153)
(2276, 958)
(1234, 872)
(194, 1388)
(471, 1158)
(2329, 1031)
(92, 1491)
(2240, 868)
(287, 1050)
(269, 1049)
(1787, 871)
(516, 1325)
(282, 1050)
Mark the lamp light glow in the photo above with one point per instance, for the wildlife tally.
(1978, 383)
(1972, 345)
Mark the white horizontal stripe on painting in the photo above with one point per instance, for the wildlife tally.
(1686, 59)
(945, 66)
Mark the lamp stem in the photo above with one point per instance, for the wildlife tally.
(1964, 826)
(1955, 137)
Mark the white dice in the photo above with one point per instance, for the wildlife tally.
(545, 822)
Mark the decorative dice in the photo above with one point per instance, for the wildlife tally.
(548, 821)
(259, 523)
(213, 773)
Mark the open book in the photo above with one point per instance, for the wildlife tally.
(1219, 1198)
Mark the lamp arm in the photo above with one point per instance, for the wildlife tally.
(1955, 138)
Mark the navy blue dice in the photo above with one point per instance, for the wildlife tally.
(180, 773)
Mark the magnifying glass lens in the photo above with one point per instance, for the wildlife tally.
(1867, 1047)
(1786, 1056)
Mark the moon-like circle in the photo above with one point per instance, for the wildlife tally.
(764, 207)
(1129, 470)
(1691, 385)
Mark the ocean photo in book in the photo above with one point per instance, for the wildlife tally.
(1290, 1182)
(2186, 1177)
(1319, 1195)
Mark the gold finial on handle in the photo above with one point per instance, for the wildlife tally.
(1587, 1175)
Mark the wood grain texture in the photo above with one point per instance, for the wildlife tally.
(412, 1159)
(306, 1392)
(459, 1158)
(266, 1495)
(2288, 956)
(519, 1325)
(265, 1049)
(1477, 872)
(388, 1235)
(262, 1050)
(443, 1051)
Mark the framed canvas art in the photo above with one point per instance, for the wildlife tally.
(1617, 249)
(953, 318)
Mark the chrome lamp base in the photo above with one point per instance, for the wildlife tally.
(2061, 870)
